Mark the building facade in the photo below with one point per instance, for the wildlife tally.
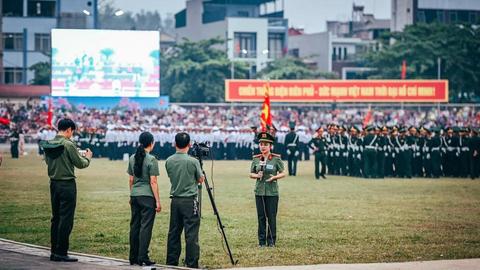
(255, 30)
(407, 12)
(26, 25)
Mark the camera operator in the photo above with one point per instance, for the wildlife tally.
(185, 173)
(266, 168)
(62, 157)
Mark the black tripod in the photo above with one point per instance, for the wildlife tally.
(215, 211)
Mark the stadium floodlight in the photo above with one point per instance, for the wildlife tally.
(86, 12)
(265, 51)
(119, 12)
(244, 51)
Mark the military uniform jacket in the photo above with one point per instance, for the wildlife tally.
(274, 165)
(291, 142)
(320, 143)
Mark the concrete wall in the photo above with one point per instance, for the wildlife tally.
(402, 14)
(317, 47)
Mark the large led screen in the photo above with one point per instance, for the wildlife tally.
(105, 63)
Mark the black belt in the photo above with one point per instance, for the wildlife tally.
(189, 197)
(63, 180)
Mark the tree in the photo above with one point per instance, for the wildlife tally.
(41, 72)
(196, 71)
(290, 68)
(457, 46)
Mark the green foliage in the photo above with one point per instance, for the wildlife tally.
(458, 47)
(41, 72)
(290, 68)
(196, 71)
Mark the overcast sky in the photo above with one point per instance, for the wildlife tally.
(309, 14)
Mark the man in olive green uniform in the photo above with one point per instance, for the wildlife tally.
(319, 146)
(62, 156)
(185, 174)
(266, 169)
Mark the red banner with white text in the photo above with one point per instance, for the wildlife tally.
(338, 90)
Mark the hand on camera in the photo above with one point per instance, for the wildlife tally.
(260, 174)
(89, 153)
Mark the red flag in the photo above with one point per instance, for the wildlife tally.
(266, 117)
(4, 121)
(404, 69)
(50, 112)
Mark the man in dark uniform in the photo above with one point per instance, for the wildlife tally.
(14, 137)
(185, 174)
(425, 155)
(452, 153)
(330, 149)
(381, 151)
(291, 142)
(342, 148)
(319, 146)
(354, 153)
(417, 167)
(408, 153)
(62, 156)
(390, 153)
(464, 156)
(370, 153)
(474, 146)
(435, 149)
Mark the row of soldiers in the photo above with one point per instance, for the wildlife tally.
(374, 152)
(380, 152)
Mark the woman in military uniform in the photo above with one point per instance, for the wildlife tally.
(144, 199)
(266, 169)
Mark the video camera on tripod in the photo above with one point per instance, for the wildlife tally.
(199, 151)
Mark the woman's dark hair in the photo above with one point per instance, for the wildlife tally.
(145, 140)
(66, 123)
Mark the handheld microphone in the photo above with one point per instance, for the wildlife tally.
(262, 163)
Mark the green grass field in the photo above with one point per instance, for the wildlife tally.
(338, 220)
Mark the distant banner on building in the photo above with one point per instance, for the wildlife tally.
(338, 90)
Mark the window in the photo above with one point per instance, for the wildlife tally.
(345, 55)
(440, 16)
(245, 45)
(339, 53)
(421, 16)
(42, 42)
(472, 17)
(243, 14)
(12, 75)
(275, 45)
(41, 8)
(13, 41)
(294, 52)
(334, 54)
(453, 16)
(12, 8)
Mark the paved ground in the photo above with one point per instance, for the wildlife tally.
(14, 255)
